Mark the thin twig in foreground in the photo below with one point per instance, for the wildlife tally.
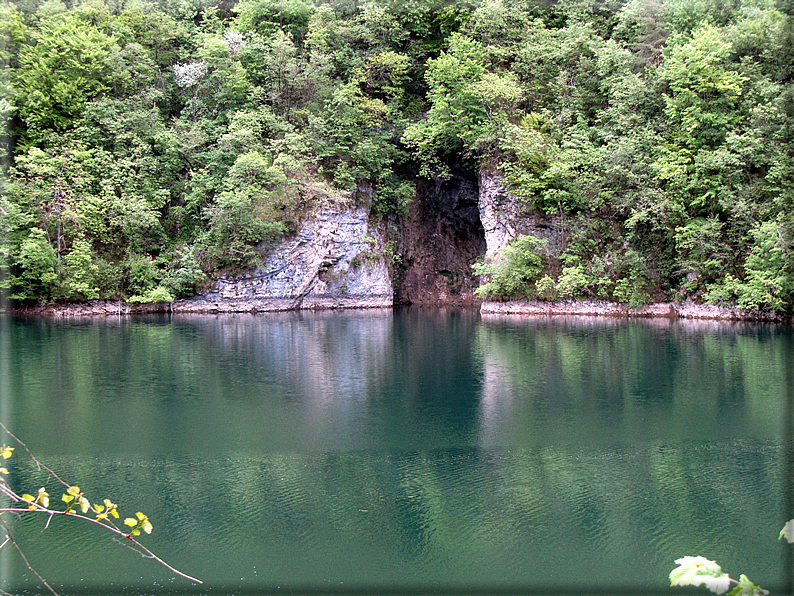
(25, 559)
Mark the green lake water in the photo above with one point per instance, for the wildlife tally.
(402, 452)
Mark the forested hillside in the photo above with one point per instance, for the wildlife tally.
(152, 145)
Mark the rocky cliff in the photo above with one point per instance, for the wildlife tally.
(335, 261)
(437, 242)
(340, 259)
(503, 217)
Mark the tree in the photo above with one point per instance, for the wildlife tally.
(37, 263)
(456, 112)
(66, 66)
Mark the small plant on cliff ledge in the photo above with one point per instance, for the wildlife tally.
(512, 275)
(77, 505)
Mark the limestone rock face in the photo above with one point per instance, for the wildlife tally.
(335, 261)
(504, 216)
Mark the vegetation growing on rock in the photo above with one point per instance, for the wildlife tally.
(152, 145)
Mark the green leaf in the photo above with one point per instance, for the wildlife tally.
(747, 588)
(788, 531)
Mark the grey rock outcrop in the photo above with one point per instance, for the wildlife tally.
(504, 216)
(335, 261)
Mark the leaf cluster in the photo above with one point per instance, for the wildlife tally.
(77, 506)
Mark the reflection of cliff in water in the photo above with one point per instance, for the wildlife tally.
(319, 357)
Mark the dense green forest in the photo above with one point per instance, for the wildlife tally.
(151, 145)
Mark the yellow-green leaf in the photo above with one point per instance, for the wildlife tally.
(6, 452)
(67, 498)
(84, 504)
(27, 497)
(111, 508)
(147, 526)
(73, 490)
(99, 508)
(3, 471)
(788, 531)
(130, 522)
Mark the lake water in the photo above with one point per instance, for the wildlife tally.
(405, 452)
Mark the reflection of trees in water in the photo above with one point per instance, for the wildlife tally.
(580, 380)
(542, 514)
(529, 444)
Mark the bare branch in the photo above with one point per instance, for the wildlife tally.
(10, 538)
(36, 508)
(36, 461)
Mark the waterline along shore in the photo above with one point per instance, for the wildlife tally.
(589, 308)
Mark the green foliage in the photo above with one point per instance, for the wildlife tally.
(158, 294)
(183, 274)
(572, 281)
(135, 132)
(138, 523)
(456, 111)
(769, 280)
(635, 287)
(703, 91)
(237, 225)
(37, 262)
(271, 16)
(68, 65)
(512, 274)
(79, 273)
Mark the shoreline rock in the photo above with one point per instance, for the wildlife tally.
(107, 308)
(594, 308)
(535, 308)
